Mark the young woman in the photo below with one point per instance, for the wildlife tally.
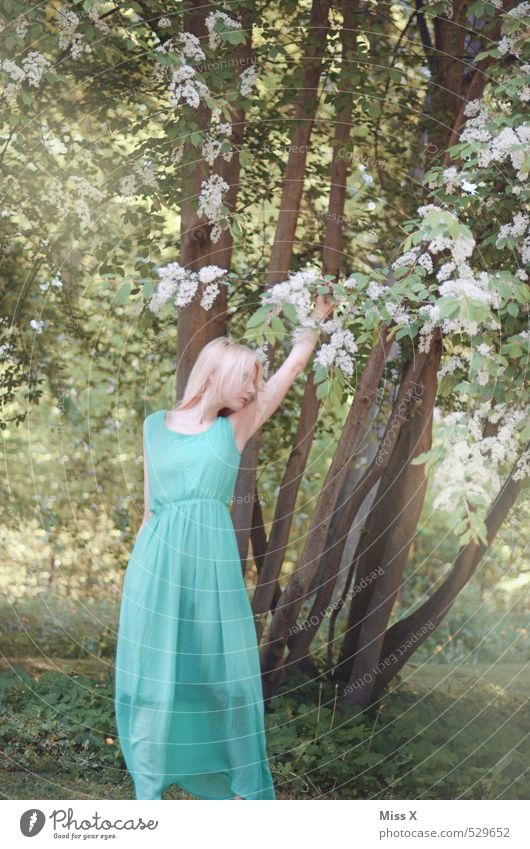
(188, 695)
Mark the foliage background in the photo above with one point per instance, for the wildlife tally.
(87, 361)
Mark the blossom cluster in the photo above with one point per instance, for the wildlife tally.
(339, 350)
(472, 469)
(179, 285)
(512, 36)
(68, 22)
(184, 83)
(210, 204)
(214, 37)
(75, 195)
(216, 142)
(247, 80)
(297, 293)
(296, 290)
(143, 170)
(31, 69)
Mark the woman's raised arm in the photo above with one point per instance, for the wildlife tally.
(249, 420)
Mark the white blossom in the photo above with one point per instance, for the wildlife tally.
(75, 195)
(295, 290)
(472, 466)
(517, 227)
(34, 65)
(407, 258)
(445, 270)
(375, 290)
(184, 84)
(451, 178)
(180, 285)
(210, 202)
(128, 187)
(145, 171)
(68, 21)
(209, 273)
(21, 26)
(209, 295)
(472, 108)
(522, 469)
(191, 46)
(425, 261)
(55, 282)
(94, 16)
(440, 243)
(450, 366)
(217, 136)
(247, 80)
(338, 351)
(214, 38)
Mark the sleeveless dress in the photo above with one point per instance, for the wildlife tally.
(188, 694)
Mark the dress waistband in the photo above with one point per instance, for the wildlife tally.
(190, 498)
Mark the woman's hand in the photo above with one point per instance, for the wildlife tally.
(324, 304)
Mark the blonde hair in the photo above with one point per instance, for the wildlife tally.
(220, 359)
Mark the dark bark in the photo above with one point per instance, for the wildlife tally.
(221, 251)
(282, 249)
(330, 264)
(348, 509)
(421, 623)
(394, 520)
(332, 249)
(474, 90)
(306, 106)
(283, 514)
(195, 243)
(285, 615)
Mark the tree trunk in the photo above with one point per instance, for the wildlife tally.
(347, 510)
(286, 612)
(408, 634)
(221, 251)
(330, 265)
(282, 249)
(195, 243)
(393, 524)
(283, 515)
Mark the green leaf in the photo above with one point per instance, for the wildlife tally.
(148, 289)
(336, 393)
(259, 316)
(320, 374)
(323, 389)
(123, 293)
(290, 312)
(245, 158)
(525, 433)
(236, 36)
(420, 459)
(278, 326)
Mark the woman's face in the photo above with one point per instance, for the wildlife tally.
(242, 390)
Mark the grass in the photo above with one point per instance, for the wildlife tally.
(446, 729)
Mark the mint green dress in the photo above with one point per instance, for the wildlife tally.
(188, 694)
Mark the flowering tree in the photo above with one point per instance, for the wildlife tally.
(261, 140)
